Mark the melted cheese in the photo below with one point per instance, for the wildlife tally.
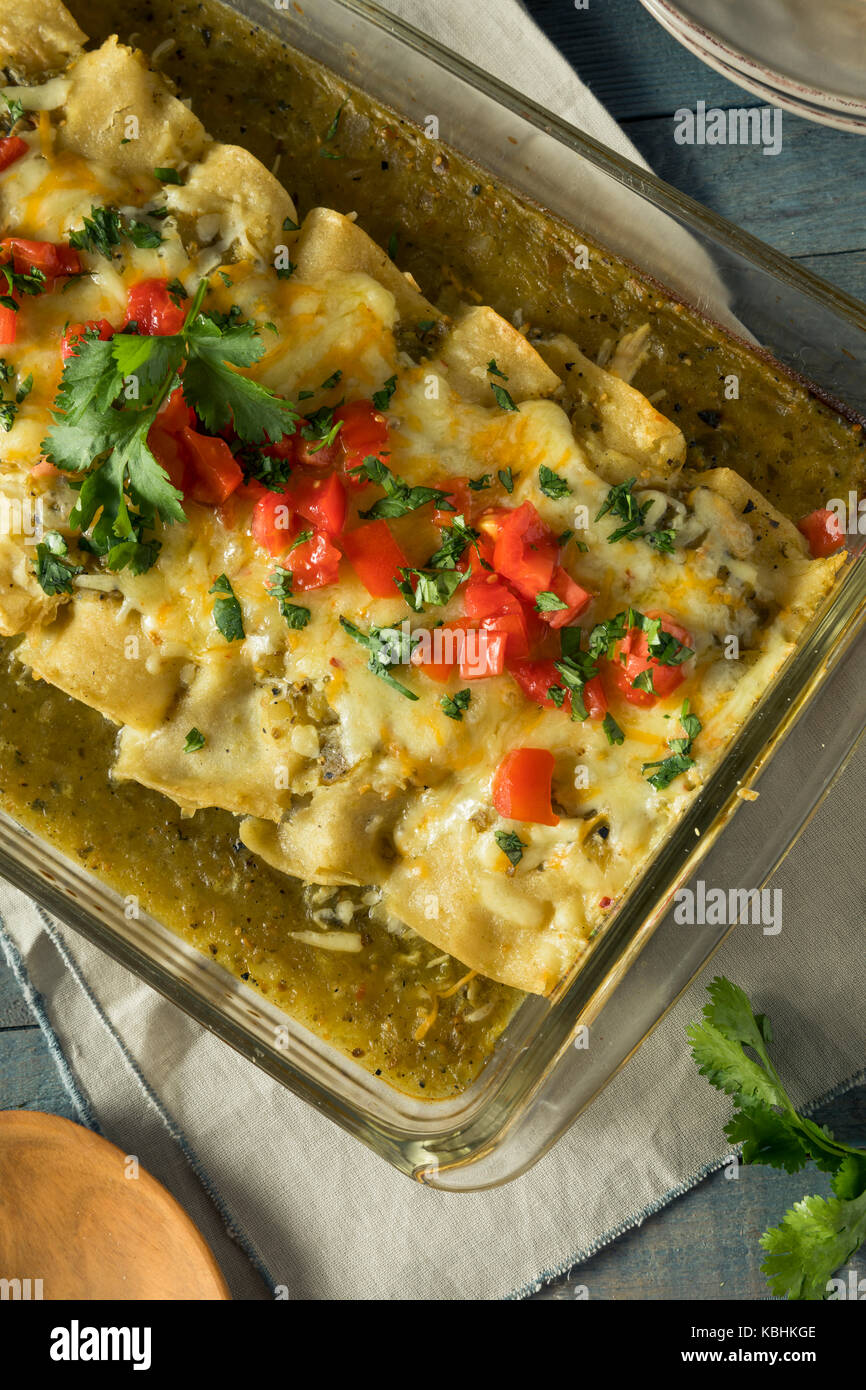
(346, 780)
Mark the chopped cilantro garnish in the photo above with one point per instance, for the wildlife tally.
(227, 611)
(494, 370)
(547, 602)
(374, 645)
(53, 571)
(454, 705)
(168, 176)
(335, 123)
(382, 399)
(195, 740)
(424, 325)
(503, 399)
(423, 586)
(20, 282)
(680, 759)
(14, 110)
(290, 225)
(399, 497)
(612, 730)
(300, 539)
(511, 845)
(506, 478)
(479, 484)
(105, 229)
(455, 539)
(551, 484)
(623, 504)
(280, 587)
(393, 245)
(321, 429)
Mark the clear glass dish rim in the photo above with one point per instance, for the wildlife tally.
(416, 1154)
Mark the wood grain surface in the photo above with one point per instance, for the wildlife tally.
(84, 1220)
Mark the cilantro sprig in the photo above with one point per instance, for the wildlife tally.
(109, 397)
(817, 1235)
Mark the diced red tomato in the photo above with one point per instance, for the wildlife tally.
(480, 550)
(8, 325)
(375, 557)
(461, 498)
(175, 414)
(76, 331)
(321, 501)
(272, 523)
(823, 531)
(482, 653)
(522, 786)
(491, 521)
(44, 469)
(536, 677)
(309, 456)
(314, 564)
(635, 651)
(525, 551)
(149, 304)
(166, 450)
(54, 260)
(594, 698)
(284, 448)
(565, 588)
(514, 628)
(214, 472)
(485, 593)
(12, 147)
(363, 432)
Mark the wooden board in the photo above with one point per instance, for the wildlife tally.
(75, 1214)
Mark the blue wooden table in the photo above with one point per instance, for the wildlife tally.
(809, 201)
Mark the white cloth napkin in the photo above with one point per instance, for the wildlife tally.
(289, 1202)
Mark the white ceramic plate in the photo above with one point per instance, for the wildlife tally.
(807, 57)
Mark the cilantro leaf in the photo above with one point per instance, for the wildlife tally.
(382, 399)
(613, 732)
(551, 484)
(511, 845)
(816, 1237)
(53, 571)
(227, 611)
(220, 395)
(195, 740)
(503, 399)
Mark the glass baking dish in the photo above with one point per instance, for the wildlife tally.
(537, 1083)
